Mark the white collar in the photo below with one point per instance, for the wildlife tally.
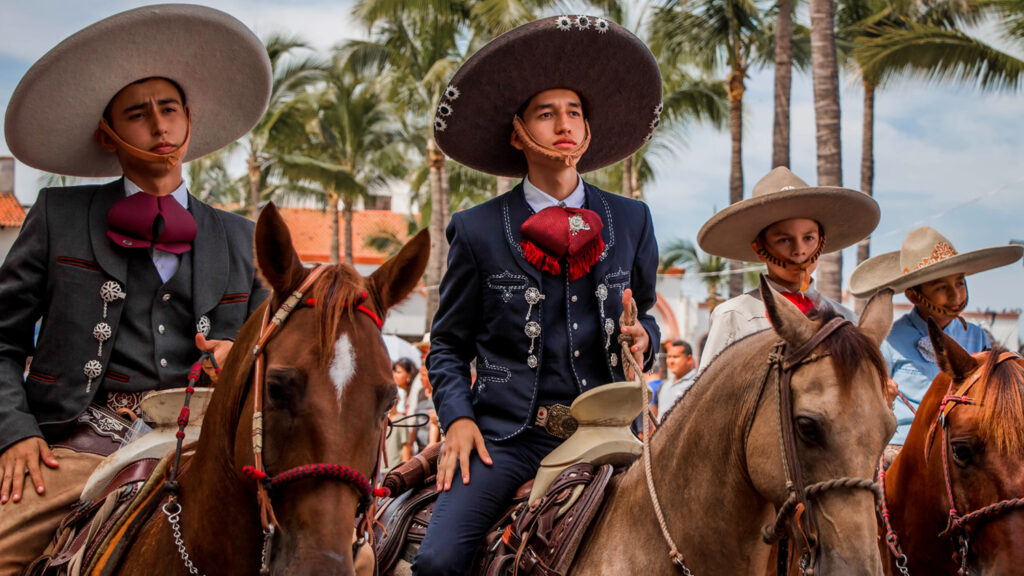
(539, 200)
(180, 193)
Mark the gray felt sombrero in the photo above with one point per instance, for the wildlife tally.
(611, 70)
(219, 63)
(924, 256)
(846, 216)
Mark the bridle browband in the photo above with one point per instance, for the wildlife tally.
(956, 524)
(783, 362)
(797, 507)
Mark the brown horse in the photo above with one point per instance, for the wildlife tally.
(328, 387)
(718, 464)
(951, 492)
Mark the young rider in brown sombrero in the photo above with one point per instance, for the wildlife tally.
(132, 278)
(787, 225)
(537, 277)
(932, 275)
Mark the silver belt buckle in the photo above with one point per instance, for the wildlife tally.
(557, 419)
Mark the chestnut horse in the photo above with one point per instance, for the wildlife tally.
(719, 469)
(953, 494)
(326, 394)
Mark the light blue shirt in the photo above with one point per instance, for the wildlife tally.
(911, 360)
(166, 263)
(539, 199)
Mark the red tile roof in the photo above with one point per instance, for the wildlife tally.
(311, 233)
(11, 212)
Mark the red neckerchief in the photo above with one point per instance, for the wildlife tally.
(805, 304)
(143, 220)
(557, 233)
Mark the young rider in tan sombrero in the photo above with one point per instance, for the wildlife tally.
(932, 274)
(787, 225)
(131, 279)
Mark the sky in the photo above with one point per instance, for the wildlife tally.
(951, 158)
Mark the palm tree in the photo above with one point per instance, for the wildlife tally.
(210, 180)
(890, 41)
(825, 71)
(712, 270)
(792, 47)
(281, 127)
(709, 33)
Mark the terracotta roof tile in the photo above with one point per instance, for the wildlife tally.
(311, 233)
(11, 212)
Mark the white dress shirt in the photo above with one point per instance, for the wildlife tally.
(539, 200)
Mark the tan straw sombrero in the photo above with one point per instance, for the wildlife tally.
(926, 255)
(612, 71)
(219, 63)
(846, 216)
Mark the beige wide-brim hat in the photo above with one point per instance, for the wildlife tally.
(219, 63)
(846, 216)
(926, 255)
(612, 71)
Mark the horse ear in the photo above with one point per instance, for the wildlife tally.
(787, 320)
(275, 254)
(949, 355)
(876, 321)
(393, 281)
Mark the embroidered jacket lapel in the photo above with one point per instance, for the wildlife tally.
(597, 203)
(210, 263)
(110, 259)
(515, 211)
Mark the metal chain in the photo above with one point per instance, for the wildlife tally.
(173, 518)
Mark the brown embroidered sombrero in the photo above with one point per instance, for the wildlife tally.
(611, 70)
(926, 255)
(219, 63)
(846, 216)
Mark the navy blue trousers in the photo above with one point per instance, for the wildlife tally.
(463, 515)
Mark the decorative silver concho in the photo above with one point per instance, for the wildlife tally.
(577, 224)
(110, 291)
(203, 325)
(101, 332)
(92, 370)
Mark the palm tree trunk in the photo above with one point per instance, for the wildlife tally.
(254, 185)
(783, 82)
(825, 71)
(867, 161)
(627, 176)
(332, 213)
(349, 258)
(438, 243)
(736, 89)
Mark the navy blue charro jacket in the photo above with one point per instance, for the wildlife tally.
(484, 310)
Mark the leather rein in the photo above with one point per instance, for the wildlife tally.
(956, 524)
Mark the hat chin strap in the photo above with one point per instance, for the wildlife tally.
(938, 309)
(764, 251)
(171, 159)
(570, 158)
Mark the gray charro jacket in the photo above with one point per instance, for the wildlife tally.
(56, 270)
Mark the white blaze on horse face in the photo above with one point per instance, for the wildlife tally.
(343, 366)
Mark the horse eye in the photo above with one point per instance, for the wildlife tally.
(284, 385)
(963, 454)
(809, 430)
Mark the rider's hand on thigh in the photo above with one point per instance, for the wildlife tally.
(19, 458)
(463, 437)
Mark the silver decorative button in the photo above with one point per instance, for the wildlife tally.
(602, 292)
(101, 332)
(167, 297)
(573, 298)
(163, 362)
(575, 326)
(111, 291)
(576, 353)
(203, 325)
(532, 361)
(92, 369)
(584, 382)
(161, 329)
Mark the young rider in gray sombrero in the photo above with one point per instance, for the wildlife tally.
(932, 274)
(538, 277)
(132, 279)
(787, 225)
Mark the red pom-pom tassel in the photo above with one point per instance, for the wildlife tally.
(381, 492)
(253, 473)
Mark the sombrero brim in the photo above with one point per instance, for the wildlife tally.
(611, 69)
(847, 216)
(883, 271)
(219, 63)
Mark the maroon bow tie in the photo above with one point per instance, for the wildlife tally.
(556, 233)
(143, 220)
(805, 304)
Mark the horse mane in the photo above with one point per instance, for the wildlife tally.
(1000, 387)
(338, 291)
(850, 348)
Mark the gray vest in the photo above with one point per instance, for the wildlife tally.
(155, 344)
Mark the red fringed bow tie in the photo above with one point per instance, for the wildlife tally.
(805, 304)
(143, 220)
(555, 233)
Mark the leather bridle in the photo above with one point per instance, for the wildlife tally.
(956, 524)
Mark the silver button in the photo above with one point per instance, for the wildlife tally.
(161, 329)
(167, 297)
(576, 353)
(163, 362)
(574, 298)
(575, 326)
(584, 382)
